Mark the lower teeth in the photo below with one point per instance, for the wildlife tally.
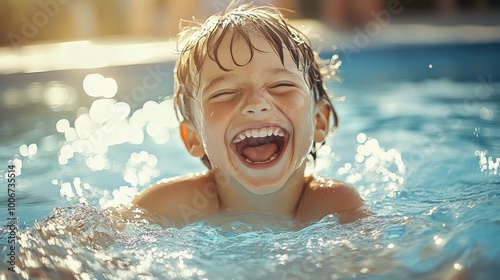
(260, 162)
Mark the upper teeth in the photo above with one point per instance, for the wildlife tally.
(259, 132)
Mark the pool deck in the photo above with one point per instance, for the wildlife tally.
(54, 56)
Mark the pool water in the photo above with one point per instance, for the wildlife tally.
(419, 138)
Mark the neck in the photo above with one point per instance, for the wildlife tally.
(235, 197)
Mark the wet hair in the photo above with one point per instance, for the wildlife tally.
(198, 41)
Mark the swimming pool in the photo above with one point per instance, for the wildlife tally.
(419, 138)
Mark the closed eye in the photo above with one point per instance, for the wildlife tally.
(222, 95)
(282, 87)
(282, 84)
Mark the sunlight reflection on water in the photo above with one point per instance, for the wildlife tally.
(107, 123)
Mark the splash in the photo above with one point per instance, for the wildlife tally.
(487, 163)
(140, 169)
(374, 168)
(78, 191)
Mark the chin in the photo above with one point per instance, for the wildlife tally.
(263, 189)
(264, 185)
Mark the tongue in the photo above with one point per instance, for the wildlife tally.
(260, 153)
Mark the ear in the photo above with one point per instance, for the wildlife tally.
(191, 139)
(321, 121)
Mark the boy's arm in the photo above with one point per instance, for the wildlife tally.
(181, 200)
(326, 196)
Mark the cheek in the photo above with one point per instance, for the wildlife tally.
(215, 112)
(213, 123)
(296, 103)
(302, 114)
(300, 110)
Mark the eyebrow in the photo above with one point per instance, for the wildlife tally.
(228, 77)
(278, 71)
(219, 80)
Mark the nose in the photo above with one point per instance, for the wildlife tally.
(256, 103)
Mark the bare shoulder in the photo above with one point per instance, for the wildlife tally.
(182, 199)
(323, 196)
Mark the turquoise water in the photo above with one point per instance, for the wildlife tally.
(419, 138)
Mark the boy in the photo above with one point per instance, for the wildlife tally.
(252, 102)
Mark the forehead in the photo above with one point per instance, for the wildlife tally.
(235, 51)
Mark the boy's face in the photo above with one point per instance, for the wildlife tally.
(256, 123)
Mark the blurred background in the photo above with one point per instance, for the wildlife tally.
(27, 22)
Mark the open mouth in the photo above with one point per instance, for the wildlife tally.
(260, 146)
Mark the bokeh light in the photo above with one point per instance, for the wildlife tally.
(59, 96)
(96, 85)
